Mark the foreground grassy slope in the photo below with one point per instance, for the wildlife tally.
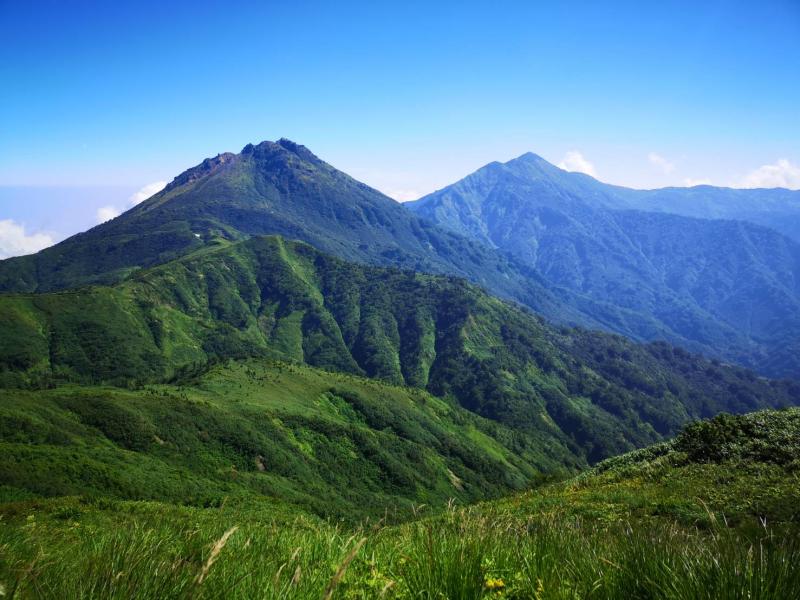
(744, 470)
(334, 444)
(668, 522)
(266, 297)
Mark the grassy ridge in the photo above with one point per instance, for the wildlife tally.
(602, 536)
(335, 444)
(743, 470)
(594, 393)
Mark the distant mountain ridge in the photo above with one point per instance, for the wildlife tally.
(777, 208)
(725, 288)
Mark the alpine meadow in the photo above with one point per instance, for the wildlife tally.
(444, 368)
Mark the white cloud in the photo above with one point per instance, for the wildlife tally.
(782, 174)
(661, 162)
(575, 161)
(147, 191)
(689, 182)
(106, 213)
(403, 195)
(15, 242)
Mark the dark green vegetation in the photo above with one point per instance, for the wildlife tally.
(678, 521)
(725, 288)
(334, 444)
(579, 394)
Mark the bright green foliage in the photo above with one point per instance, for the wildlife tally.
(741, 469)
(653, 524)
(335, 444)
(595, 394)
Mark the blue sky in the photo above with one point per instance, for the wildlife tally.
(100, 99)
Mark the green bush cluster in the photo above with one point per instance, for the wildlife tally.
(763, 437)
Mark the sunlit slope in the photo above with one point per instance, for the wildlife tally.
(743, 470)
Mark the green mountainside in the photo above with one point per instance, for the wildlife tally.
(333, 444)
(724, 288)
(740, 468)
(710, 515)
(593, 393)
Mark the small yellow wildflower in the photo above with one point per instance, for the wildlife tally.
(493, 583)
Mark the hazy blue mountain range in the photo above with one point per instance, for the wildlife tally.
(726, 288)
(776, 208)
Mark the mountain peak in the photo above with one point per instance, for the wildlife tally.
(283, 146)
(528, 160)
(204, 168)
(290, 145)
(282, 150)
(528, 156)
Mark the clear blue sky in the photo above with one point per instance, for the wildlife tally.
(405, 96)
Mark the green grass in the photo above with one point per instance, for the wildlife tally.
(67, 548)
(654, 524)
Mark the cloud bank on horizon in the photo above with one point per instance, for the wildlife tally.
(575, 161)
(781, 174)
(662, 163)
